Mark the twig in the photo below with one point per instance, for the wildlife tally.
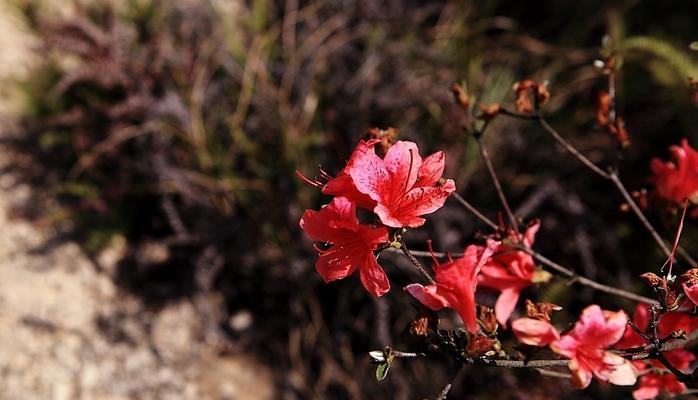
(571, 149)
(613, 176)
(683, 253)
(682, 377)
(583, 280)
(415, 263)
(558, 268)
(646, 352)
(490, 169)
(553, 374)
(475, 211)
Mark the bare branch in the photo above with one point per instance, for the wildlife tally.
(415, 263)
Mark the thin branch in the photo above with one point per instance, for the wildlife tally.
(475, 211)
(553, 374)
(583, 280)
(682, 377)
(646, 352)
(576, 278)
(517, 115)
(683, 253)
(613, 176)
(415, 263)
(571, 149)
(490, 169)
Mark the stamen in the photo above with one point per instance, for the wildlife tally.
(433, 255)
(311, 182)
(676, 241)
(324, 174)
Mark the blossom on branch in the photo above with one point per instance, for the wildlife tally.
(669, 322)
(655, 378)
(342, 185)
(455, 285)
(402, 183)
(510, 271)
(678, 180)
(585, 345)
(652, 384)
(351, 245)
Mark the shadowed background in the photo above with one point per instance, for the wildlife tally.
(158, 140)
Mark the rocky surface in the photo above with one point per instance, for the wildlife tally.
(67, 332)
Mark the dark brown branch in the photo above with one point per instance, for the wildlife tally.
(583, 280)
(498, 187)
(571, 149)
(415, 263)
(475, 211)
(576, 278)
(649, 351)
(613, 176)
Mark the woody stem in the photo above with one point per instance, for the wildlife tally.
(415, 263)
(612, 176)
(475, 211)
(576, 278)
(646, 352)
(490, 169)
(583, 280)
(571, 149)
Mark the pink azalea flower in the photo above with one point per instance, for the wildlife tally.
(351, 245)
(343, 185)
(653, 384)
(677, 181)
(510, 271)
(455, 285)
(534, 332)
(659, 380)
(402, 183)
(669, 322)
(585, 345)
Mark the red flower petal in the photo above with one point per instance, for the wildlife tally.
(431, 170)
(351, 244)
(534, 332)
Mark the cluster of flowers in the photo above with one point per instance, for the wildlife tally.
(655, 379)
(402, 187)
(588, 347)
(496, 266)
(398, 189)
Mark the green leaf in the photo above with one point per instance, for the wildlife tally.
(382, 371)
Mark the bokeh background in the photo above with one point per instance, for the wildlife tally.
(151, 246)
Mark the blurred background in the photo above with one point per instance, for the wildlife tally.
(151, 246)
